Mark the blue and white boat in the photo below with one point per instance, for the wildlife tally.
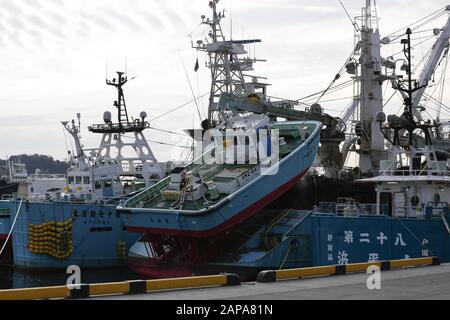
(73, 220)
(186, 217)
(410, 218)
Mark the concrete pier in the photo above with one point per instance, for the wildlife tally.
(413, 283)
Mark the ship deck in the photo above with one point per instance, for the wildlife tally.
(152, 197)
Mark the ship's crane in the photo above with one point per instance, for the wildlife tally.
(333, 131)
(439, 48)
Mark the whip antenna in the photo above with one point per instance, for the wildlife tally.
(355, 25)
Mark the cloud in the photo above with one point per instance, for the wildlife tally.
(15, 23)
(10, 8)
(98, 21)
(151, 20)
(123, 18)
(45, 26)
(54, 54)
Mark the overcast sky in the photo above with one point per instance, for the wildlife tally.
(53, 57)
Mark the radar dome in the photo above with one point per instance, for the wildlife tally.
(107, 117)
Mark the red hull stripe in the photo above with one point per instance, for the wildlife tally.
(242, 216)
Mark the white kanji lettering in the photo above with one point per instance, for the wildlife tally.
(343, 258)
(330, 248)
(399, 240)
(348, 236)
(425, 253)
(330, 237)
(374, 257)
(364, 238)
(330, 258)
(382, 238)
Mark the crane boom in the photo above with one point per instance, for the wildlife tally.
(332, 134)
(438, 49)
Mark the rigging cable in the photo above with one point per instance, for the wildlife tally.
(192, 89)
(441, 93)
(168, 131)
(159, 142)
(65, 140)
(355, 25)
(429, 17)
(177, 108)
(311, 96)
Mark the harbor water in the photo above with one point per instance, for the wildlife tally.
(13, 279)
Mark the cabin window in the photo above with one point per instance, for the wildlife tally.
(78, 180)
(87, 180)
(71, 180)
(107, 184)
(98, 185)
(415, 201)
(437, 197)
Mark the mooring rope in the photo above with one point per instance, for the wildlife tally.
(12, 228)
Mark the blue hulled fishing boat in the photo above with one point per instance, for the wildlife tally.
(73, 219)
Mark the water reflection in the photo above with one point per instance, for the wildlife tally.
(10, 278)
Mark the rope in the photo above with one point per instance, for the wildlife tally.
(192, 89)
(441, 94)
(168, 131)
(176, 108)
(160, 142)
(285, 258)
(430, 17)
(445, 223)
(282, 215)
(12, 227)
(65, 139)
(414, 235)
(332, 89)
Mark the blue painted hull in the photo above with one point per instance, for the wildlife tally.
(97, 231)
(234, 209)
(305, 240)
(198, 236)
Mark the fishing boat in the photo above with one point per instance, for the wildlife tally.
(186, 218)
(76, 223)
(367, 76)
(409, 219)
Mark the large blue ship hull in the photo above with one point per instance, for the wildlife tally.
(98, 234)
(305, 239)
(234, 209)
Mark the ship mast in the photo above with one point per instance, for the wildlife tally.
(371, 140)
(225, 63)
(115, 143)
(74, 130)
(120, 104)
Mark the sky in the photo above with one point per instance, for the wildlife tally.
(56, 54)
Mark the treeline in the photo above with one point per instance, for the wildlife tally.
(46, 164)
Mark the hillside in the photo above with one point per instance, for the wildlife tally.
(45, 163)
